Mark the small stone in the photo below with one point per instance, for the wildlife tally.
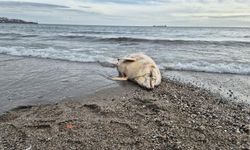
(202, 128)
(237, 130)
(218, 127)
(202, 137)
(245, 128)
(193, 115)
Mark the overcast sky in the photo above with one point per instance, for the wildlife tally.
(131, 12)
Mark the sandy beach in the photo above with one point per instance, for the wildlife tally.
(172, 116)
(52, 104)
(66, 72)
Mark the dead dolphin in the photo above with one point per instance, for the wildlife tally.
(139, 68)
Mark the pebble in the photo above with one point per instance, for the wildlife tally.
(245, 128)
(202, 128)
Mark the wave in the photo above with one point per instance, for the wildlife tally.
(170, 41)
(75, 37)
(31, 35)
(93, 32)
(9, 34)
(65, 55)
(15, 35)
(82, 37)
(203, 66)
(76, 56)
(152, 41)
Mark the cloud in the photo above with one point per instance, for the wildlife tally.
(224, 16)
(29, 4)
(118, 1)
(126, 1)
(132, 12)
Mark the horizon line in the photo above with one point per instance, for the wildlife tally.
(156, 26)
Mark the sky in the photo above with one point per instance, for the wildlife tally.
(211, 13)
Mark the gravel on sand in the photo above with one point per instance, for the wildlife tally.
(172, 116)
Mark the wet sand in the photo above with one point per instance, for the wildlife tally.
(230, 86)
(26, 81)
(172, 116)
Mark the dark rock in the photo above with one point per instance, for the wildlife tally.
(17, 21)
(245, 128)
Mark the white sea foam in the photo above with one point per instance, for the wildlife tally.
(52, 53)
(76, 56)
(203, 66)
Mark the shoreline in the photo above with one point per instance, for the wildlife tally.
(174, 115)
(229, 86)
(29, 81)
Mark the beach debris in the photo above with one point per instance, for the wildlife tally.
(139, 68)
(69, 126)
(93, 107)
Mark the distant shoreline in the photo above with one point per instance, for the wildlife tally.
(14, 21)
(132, 25)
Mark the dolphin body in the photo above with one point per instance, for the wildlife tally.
(139, 68)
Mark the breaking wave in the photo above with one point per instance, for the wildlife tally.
(169, 41)
(84, 36)
(75, 56)
(202, 66)
(65, 55)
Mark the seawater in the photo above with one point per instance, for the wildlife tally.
(195, 49)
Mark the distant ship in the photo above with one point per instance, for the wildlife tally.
(18, 21)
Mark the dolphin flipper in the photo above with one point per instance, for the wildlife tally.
(120, 78)
(128, 59)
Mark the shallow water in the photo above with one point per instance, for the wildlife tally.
(26, 81)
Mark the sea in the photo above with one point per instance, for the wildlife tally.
(201, 49)
(201, 54)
